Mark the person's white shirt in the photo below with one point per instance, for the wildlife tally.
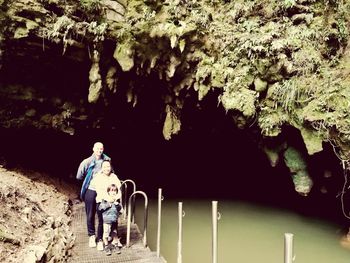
(101, 182)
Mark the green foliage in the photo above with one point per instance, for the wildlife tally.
(98, 30)
(66, 29)
(286, 94)
(271, 120)
(62, 26)
(287, 45)
(91, 5)
(289, 3)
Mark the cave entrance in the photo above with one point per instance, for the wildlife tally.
(209, 158)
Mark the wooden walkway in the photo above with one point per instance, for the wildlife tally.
(136, 253)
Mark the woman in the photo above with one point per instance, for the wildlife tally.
(101, 181)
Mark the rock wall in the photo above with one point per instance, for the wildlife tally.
(35, 218)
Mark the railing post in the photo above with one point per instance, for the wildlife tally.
(128, 226)
(124, 183)
(215, 217)
(179, 243)
(131, 200)
(288, 248)
(123, 201)
(160, 199)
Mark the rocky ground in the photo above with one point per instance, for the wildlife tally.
(35, 217)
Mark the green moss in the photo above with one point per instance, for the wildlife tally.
(124, 55)
(302, 182)
(91, 5)
(172, 123)
(242, 100)
(294, 160)
(21, 32)
(298, 169)
(312, 139)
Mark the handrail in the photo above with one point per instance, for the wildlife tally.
(125, 183)
(160, 199)
(131, 198)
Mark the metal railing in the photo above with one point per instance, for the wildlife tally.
(160, 199)
(215, 217)
(181, 214)
(130, 213)
(124, 196)
(288, 248)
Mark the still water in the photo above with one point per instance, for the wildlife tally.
(246, 233)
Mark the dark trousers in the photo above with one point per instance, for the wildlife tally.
(90, 209)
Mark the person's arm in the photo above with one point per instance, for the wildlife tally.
(104, 205)
(82, 169)
(117, 182)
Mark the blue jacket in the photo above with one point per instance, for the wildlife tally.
(110, 211)
(86, 170)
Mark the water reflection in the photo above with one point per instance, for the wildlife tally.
(246, 233)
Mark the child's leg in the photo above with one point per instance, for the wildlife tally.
(106, 232)
(115, 238)
(115, 227)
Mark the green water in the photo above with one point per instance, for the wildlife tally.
(246, 234)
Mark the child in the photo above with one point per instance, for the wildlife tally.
(110, 211)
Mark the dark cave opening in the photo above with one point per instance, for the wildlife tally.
(204, 161)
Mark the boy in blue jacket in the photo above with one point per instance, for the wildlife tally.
(110, 212)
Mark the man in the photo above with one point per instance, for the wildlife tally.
(87, 170)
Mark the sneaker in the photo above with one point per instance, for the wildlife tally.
(108, 250)
(92, 241)
(100, 245)
(117, 243)
(117, 249)
(120, 245)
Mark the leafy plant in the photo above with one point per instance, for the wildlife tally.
(91, 5)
